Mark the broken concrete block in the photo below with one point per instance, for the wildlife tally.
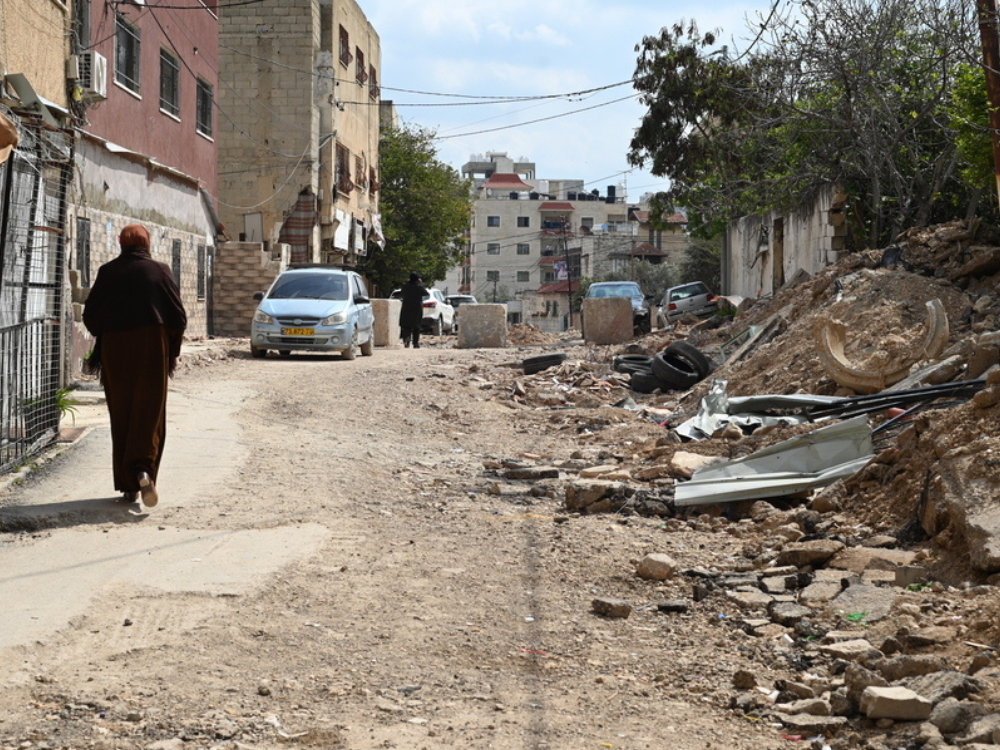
(607, 320)
(532, 473)
(611, 607)
(857, 678)
(897, 703)
(953, 716)
(901, 667)
(858, 559)
(935, 635)
(585, 492)
(818, 593)
(673, 607)
(657, 567)
(874, 602)
(592, 472)
(811, 706)
(811, 725)
(749, 599)
(984, 730)
(683, 464)
(945, 684)
(907, 575)
(787, 613)
(815, 552)
(856, 650)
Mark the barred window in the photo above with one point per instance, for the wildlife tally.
(170, 83)
(127, 56)
(203, 122)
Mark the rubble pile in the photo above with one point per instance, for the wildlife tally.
(871, 601)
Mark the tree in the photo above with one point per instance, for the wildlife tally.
(846, 92)
(425, 207)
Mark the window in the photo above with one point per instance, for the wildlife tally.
(523, 248)
(126, 54)
(492, 221)
(83, 250)
(175, 261)
(493, 248)
(372, 82)
(360, 173)
(170, 84)
(345, 47)
(203, 114)
(524, 276)
(343, 174)
(523, 221)
(587, 221)
(359, 66)
(202, 271)
(549, 277)
(372, 182)
(493, 276)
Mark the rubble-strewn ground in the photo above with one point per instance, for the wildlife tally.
(493, 528)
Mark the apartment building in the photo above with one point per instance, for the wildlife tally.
(298, 153)
(531, 240)
(143, 86)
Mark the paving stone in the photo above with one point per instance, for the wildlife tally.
(897, 703)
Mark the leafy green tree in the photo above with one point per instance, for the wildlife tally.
(846, 92)
(425, 207)
(703, 262)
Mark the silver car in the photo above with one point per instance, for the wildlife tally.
(687, 299)
(316, 309)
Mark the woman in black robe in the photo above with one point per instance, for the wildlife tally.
(135, 311)
(411, 313)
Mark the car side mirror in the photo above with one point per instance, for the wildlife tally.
(258, 296)
(359, 300)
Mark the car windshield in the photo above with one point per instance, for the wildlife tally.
(614, 290)
(310, 286)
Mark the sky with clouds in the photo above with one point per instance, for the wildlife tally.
(520, 48)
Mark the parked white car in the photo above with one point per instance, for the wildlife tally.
(439, 316)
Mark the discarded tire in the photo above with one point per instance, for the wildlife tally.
(644, 381)
(692, 355)
(629, 363)
(532, 365)
(673, 372)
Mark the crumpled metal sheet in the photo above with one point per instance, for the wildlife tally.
(805, 462)
(718, 409)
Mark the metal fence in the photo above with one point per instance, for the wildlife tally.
(33, 183)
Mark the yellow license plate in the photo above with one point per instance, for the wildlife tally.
(297, 331)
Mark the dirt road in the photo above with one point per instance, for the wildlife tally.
(335, 564)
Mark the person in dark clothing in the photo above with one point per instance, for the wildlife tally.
(136, 314)
(411, 314)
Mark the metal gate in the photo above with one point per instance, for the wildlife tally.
(33, 183)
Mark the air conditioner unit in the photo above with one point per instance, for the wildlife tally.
(91, 75)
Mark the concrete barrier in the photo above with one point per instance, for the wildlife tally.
(386, 321)
(607, 320)
(483, 327)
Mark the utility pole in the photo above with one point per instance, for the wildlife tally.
(569, 273)
(987, 11)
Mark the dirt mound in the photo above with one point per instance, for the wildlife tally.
(525, 334)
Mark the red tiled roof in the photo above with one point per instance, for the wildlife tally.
(506, 181)
(675, 218)
(556, 206)
(641, 216)
(559, 287)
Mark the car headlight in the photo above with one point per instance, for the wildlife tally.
(334, 320)
(262, 317)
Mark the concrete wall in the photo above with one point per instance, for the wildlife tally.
(757, 263)
(112, 190)
(241, 269)
(36, 38)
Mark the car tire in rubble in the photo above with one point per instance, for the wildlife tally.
(673, 372)
(644, 381)
(629, 363)
(531, 365)
(692, 354)
(257, 353)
